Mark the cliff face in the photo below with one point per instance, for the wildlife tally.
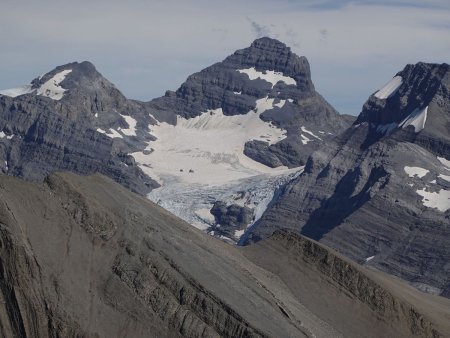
(382, 191)
(83, 257)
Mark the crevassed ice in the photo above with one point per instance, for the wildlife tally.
(389, 88)
(269, 76)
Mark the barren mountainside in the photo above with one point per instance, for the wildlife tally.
(84, 257)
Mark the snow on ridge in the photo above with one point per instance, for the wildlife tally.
(416, 171)
(14, 92)
(389, 88)
(52, 88)
(416, 119)
(131, 130)
(269, 76)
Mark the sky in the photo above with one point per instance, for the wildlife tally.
(147, 47)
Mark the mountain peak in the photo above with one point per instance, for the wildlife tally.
(269, 43)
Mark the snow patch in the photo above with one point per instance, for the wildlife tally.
(111, 133)
(389, 88)
(131, 130)
(310, 133)
(280, 104)
(416, 171)
(445, 162)
(52, 88)
(14, 92)
(444, 177)
(269, 76)
(416, 119)
(305, 139)
(369, 258)
(438, 200)
(237, 93)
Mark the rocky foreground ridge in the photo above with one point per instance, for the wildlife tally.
(82, 256)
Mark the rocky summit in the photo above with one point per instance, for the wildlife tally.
(382, 196)
(61, 121)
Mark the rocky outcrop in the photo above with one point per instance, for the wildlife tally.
(379, 196)
(307, 257)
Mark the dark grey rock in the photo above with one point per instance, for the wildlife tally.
(356, 197)
(229, 219)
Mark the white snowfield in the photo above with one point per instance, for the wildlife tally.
(131, 130)
(201, 160)
(269, 76)
(416, 119)
(209, 149)
(50, 88)
(416, 171)
(389, 88)
(438, 200)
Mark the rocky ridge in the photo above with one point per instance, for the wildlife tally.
(82, 256)
(381, 197)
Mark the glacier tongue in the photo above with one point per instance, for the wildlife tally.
(201, 161)
(193, 202)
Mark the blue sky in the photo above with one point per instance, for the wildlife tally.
(146, 47)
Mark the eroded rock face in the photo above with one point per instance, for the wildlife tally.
(235, 84)
(84, 257)
(56, 127)
(380, 196)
